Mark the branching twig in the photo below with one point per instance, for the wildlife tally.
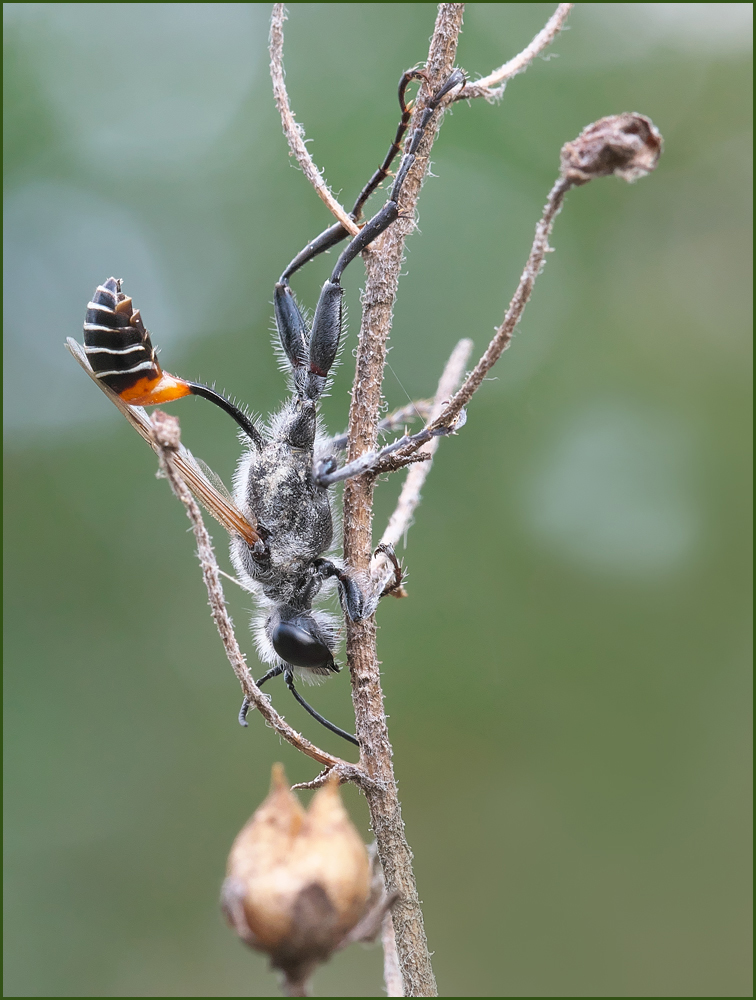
(503, 335)
(292, 130)
(501, 339)
(381, 568)
(492, 86)
(626, 145)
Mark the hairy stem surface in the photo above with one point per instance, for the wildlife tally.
(383, 263)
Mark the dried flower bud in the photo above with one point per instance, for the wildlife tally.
(297, 882)
(627, 145)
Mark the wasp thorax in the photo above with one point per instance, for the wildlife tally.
(297, 881)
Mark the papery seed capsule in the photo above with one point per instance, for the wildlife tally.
(297, 881)
(627, 145)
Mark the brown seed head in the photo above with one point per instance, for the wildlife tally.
(627, 145)
(297, 882)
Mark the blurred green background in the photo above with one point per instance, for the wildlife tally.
(568, 684)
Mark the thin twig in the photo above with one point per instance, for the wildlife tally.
(392, 974)
(293, 131)
(627, 146)
(492, 86)
(503, 335)
(382, 568)
(167, 439)
(406, 449)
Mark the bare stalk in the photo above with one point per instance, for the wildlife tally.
(392, 974)
(627, 146)
(492, 86)
(293, 131)
(382, 568)
(382, 262)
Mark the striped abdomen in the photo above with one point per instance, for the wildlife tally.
(120, 351)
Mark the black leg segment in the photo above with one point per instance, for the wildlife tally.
(243, 711)
(197, 389)
(326, 329)
(336, 233)
(289, 678)
(291, 326)
(352, 598)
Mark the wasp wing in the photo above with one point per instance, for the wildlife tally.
(208, 489)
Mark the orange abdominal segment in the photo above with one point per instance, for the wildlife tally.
(148, 391)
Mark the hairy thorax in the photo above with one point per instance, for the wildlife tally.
(296, 517)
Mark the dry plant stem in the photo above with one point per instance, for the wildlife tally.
(382, 569)
(382, 275)
(492, 86)
(392, 974)
(296, 987)
(503, 335)
(167, 440)
(293, 131)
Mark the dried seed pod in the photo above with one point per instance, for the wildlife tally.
(627, 145)
(297, 881)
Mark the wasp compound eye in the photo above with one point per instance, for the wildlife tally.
(300, 647)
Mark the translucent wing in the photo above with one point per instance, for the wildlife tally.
(216, 480)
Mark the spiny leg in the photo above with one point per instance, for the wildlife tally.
(326, 324)
(390, 210)
(336, 233)
(289, 678)
(273, 672)
(311, 356)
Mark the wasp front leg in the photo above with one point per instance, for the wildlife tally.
(351, 596)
